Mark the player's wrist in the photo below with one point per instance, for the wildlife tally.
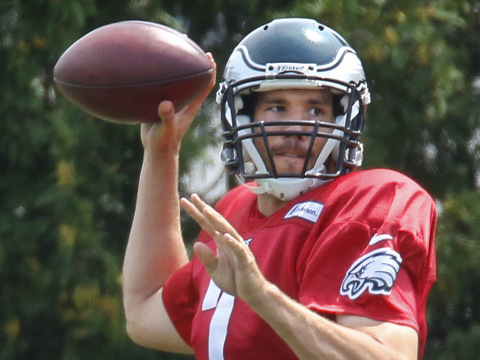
(162, 153)
(161, 164)
(260, 298)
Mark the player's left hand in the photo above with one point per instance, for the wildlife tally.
(233, 267)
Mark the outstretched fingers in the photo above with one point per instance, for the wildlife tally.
(208, 218)
(206, 256)
(194, 208)
(232, 266)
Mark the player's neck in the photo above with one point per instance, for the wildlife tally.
(269, 204)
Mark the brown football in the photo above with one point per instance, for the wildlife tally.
(120, 72)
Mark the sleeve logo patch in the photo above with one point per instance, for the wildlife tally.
(376, 272)
(309, 210)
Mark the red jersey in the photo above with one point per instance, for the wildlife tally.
(362, 244)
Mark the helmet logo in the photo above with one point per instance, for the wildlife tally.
(313, 36)
(273, 70)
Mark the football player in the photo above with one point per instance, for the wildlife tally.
(308, 258)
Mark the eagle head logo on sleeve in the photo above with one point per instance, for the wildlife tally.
(375, 271)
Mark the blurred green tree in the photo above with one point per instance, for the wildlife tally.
(68, 181)
(67, 188)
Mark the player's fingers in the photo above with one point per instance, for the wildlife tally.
(216, 221)
(197, 215)
(166, 112)
(173, 126)
(209, 219)
(219, 223)
(214, 73)
(206, 256)
(211, 83)
(199, 203)
(235, 247)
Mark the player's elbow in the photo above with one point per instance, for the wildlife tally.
(155, 338)
(138, 333)
(133, 328)
(142, 328)
(134, 322)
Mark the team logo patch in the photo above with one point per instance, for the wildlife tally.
(375, 272)
(309, 210)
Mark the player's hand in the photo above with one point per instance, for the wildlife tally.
(233, 267)
(167, 133)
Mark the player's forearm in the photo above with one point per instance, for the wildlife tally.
(155, 247)
(312, 336)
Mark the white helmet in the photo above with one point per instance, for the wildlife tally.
(292, 54)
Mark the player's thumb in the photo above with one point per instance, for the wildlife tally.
(206, 256)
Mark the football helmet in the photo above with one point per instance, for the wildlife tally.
(292, 53)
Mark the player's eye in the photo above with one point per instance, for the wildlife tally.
(317, 112)
(277, 108)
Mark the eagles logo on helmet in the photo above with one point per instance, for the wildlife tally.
(292, 54)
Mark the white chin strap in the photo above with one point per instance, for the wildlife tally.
(286, 189)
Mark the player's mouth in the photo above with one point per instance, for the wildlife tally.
(289, 155)
(295, 158)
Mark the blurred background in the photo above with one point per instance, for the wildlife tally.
(68, 181)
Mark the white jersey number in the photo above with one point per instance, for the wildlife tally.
(223, 304)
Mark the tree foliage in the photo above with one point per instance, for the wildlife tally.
(68, 181)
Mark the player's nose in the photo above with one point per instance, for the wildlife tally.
(298, 127)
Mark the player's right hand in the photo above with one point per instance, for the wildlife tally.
(166, 134)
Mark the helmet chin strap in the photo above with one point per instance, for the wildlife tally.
(286, 189)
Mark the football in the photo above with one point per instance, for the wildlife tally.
(120, 72)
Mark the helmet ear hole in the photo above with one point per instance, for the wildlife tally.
(249, 102)
(338, 107)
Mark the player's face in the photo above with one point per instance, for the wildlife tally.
(289, 152)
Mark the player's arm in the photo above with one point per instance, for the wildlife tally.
(155, 247)
(312, 336)
(309, 335)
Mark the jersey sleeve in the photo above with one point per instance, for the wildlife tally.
(181, 294)
(376, 259)
(180, 299)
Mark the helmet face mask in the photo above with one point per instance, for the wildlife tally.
(292, 54)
